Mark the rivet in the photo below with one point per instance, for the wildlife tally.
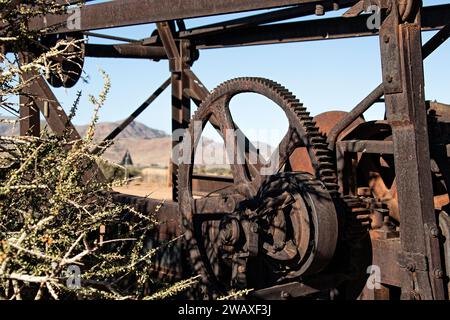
(241, 269)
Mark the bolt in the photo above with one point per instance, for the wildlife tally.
(389, 79)
(434, 232)
(386, 38)
(411, 267)
(285, 295)
(241, 269)
(438, 273)
(254, 228)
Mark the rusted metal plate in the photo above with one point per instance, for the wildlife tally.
(385, 255)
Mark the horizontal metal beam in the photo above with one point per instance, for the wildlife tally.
(133, 12)
(125, 51)
(271, 17)
(433, 18)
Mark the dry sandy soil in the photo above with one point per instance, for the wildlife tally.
(154, 183)
(151, 190)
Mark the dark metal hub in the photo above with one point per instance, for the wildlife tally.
(280, 234)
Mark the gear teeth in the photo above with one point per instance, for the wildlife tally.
(314, 130)
(326, 171)
(318, 139)
(323, 157)
(324, 146)
(322, 153)
(331, 185)
(326, 164)
(307, 122)
(357, 218)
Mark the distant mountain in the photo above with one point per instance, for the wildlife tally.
(133, 130)
(147, 146)
(8, 129)
(143, 152)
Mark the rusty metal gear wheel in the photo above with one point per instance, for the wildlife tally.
(225, 219)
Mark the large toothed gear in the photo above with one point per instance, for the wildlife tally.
(231, 214)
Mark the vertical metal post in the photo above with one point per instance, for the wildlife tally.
(181, 113)
(29, 122)
(179, 57)
(403, 80)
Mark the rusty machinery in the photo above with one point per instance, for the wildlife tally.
(347, 194)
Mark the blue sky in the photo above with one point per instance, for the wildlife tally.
(325, 75)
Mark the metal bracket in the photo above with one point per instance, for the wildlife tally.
(179, 51)
(171, 47)
(389, 46)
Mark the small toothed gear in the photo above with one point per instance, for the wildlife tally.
(358, 218)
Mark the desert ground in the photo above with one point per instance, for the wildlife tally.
(154, 183)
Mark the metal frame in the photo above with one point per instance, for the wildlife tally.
(402, 54)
